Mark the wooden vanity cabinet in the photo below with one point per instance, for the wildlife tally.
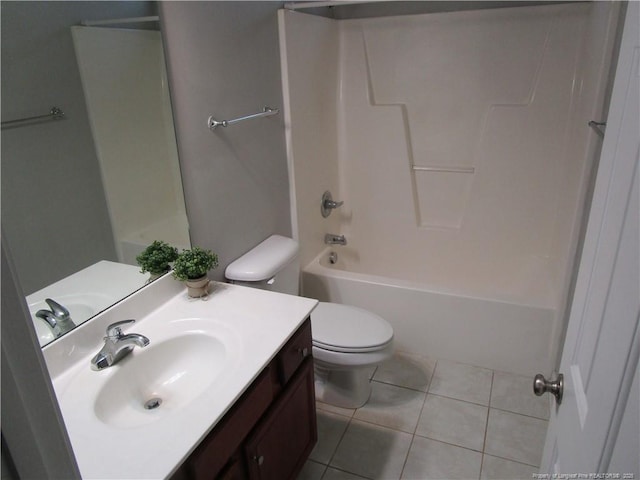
(280, 444)
(270, 431)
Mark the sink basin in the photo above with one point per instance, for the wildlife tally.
(162, 378)
(184, 359)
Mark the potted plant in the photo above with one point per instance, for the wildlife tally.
(192, 266)
(156, 258)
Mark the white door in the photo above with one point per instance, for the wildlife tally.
(601, 349)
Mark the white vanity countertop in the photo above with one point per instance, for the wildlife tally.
(258, 323)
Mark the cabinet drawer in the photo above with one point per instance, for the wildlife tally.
(294, 352)
(214, 452)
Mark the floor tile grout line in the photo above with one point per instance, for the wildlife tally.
(413, 437)
(449, 443)
(400, 386)
(369, 422)
(433, 374)
(486, 425)
(457, 399)
(324, 472)
(406, 457)
(487, 405)
(333, 412)
(468, 365)
(511, 460)
(518, 413)
(333, 454)
(424, 401)
(345, 471)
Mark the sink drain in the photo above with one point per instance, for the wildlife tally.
(152, 403)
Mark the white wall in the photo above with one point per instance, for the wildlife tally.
(222, 59)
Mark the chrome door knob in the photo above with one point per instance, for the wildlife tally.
(542, 385)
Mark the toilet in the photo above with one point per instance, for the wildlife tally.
(348, 342)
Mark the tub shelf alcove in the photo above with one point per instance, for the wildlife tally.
(460, 145)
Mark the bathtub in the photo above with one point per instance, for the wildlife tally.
(469, 323)
(463, 175)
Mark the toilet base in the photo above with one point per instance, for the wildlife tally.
(346, 388)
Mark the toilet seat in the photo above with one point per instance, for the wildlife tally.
(349, 329)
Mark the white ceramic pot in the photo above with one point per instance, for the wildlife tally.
(197, 287)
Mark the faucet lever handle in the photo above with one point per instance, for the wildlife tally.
(328, 204)
(114, 330)
(58, 310)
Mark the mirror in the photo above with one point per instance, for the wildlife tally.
(82, 196)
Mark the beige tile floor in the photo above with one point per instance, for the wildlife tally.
(430, 419)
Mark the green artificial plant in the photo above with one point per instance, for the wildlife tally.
(194, 263)
(156, 258)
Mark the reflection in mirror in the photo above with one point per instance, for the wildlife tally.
(83, 196)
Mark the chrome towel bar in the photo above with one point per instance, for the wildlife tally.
(54, 114)
(443, 169)
(212, 123)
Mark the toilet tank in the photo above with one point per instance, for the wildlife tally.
(271, 265)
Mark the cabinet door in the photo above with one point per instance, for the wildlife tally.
(234, 471)
(215, 451)
(282, 441)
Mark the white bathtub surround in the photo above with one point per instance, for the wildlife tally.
(460, 146)
(253, 326)
(405, 433)
(138, 159)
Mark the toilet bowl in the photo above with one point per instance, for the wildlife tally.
(348, 342)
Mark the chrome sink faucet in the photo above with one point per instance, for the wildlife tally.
(117, 345)
(331, 239)
(58, 317)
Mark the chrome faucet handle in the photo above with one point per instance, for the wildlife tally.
(58, 310)
(332, 204)
(114, 330)
(328, 204)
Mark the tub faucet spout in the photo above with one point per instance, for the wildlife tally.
(331, 239)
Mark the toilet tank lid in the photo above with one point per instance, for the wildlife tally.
(264, 260)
